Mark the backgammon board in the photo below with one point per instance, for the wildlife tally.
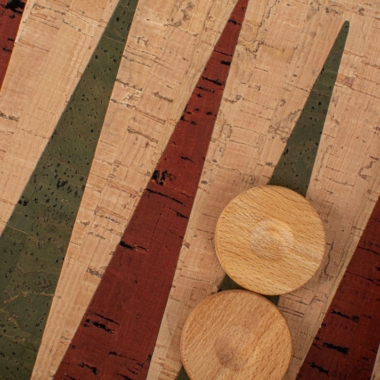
(117, 84)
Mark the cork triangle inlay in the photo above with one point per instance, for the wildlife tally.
(118, 332)
(296, 164)
(35, 239)
(348, 340)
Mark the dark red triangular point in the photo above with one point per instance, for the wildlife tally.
(117, 334)
(346, 344)
(10, 17)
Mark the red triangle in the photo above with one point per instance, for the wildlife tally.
(117, 334)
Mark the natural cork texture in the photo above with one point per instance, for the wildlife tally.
(294, 171)
(348, 340)
(118, 332)
(35, 239)
(296, 164)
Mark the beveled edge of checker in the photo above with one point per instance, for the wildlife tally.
(259, 289)
(192, 318)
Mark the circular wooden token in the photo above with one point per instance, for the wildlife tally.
(270, 240)
(234, 335)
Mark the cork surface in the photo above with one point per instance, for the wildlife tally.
(118, 332)
(376, 368)
(293, 170)
(346, 344)
(281, 50)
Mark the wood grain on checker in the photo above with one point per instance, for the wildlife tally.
(220, 340)
(281, 50)
(36, 237)
(376, 368)
(270, 240)
(294, 171)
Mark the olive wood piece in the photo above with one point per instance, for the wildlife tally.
(270, 240)
(236, 334)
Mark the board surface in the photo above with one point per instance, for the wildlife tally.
(281, 51)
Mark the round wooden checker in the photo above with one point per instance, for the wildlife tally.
(236, 334)
(270, 240)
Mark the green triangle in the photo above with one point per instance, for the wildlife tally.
(34, 242)
(296, 164)
(297, 161)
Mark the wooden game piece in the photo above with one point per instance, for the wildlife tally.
(236, 334)
(270, 240)
(118, 332)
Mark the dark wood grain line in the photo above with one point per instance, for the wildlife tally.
(295, 166)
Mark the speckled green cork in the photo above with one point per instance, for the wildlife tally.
(297, 161)
(35, 240)
(296, 164)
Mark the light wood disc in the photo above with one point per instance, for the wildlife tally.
(234, 335)
(270, 240)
